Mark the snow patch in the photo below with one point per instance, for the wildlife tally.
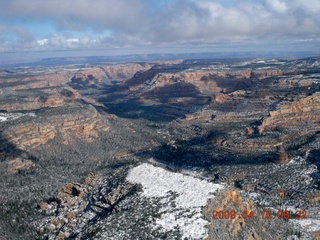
(186, 193)
(309, 225)
(12, 116)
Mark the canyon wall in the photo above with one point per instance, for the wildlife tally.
(305, 111)
(84, 122)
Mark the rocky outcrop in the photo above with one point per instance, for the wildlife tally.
(221, 121)
(95, 76)
(78, 206)
(32, 90)
(89, 77)
(39, 89)
(84, 122)
(247, 222)
(281, 155)
(305, 111)
(204, 81)
(314, 198)
(36, 80)
(18, 164)
(260, 74)
(125, 71)
(228, 101)
(24, 100)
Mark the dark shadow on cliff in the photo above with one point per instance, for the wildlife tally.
(140, 96)
(314, 158)
(164, 106)
(201, 153)
(10, 151)
(136, 99)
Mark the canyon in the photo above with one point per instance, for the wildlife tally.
(82, 146)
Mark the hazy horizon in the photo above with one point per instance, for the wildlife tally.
(36, 29)
(27, 59)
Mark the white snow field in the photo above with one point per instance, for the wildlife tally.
(182, 198)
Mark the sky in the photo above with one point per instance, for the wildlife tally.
(159, 26)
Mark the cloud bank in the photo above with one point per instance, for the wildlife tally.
(85, 24)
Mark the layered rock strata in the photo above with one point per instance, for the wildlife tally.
(84, 122)
(95, 76)
(290, 115)
(26, 100)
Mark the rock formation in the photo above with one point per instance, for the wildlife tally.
(242, 226)
(84, 122)
(305, 111)
(78, 206)
(231, 122)
(95, 76)
(281, 156)
(46, 98)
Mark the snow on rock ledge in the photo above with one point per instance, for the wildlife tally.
(12, 116)
(190, 194)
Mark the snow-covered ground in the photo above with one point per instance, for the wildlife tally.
(11, 116)
(309, 225)
(182, 198)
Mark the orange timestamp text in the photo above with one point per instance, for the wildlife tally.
(265, 214)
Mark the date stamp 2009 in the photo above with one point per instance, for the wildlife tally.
(267, 214)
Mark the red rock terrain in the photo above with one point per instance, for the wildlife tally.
(293, 114)
(84, 122)
(97, 75)
(251, 125)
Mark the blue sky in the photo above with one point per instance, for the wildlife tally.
(159, 25)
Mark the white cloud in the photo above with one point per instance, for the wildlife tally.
(133, 23)
(58, 42)
(310, 6)
(42, 42)
(277, 5)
